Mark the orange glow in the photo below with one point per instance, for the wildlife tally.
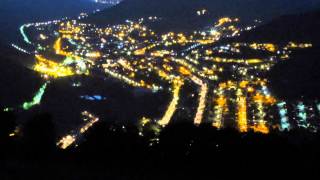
(140, 52)
(206, 41)
(264, 99)
(250, 89)
(51, 68)
(220, 108)
(161, 53)
(270, 47)
(261, 128)
(57, 47)
(223, 21)
(270, 100)
(242, 114)
(70, 31)
(261, 123)
(221, 101)
(243, 84)
(258, 97)
(222, 85)
(184, 71)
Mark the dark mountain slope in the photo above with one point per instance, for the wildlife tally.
(299, 76)
(181, 14)
(298, 27)
(18, 83)
(14, 13)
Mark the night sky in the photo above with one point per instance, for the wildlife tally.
(18, 12)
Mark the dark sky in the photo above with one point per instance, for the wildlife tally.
(13, 13)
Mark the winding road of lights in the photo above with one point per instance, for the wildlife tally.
(25, 37)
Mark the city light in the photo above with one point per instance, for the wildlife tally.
(173, 105)
(136, 55)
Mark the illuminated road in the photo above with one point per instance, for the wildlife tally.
(73, 138)
(202, 99)
(173, 105)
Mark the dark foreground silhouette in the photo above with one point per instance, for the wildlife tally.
(184, 151)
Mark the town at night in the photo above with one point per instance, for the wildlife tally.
(159, 89)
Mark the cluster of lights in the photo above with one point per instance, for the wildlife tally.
(260, 123)
(51, 68)
(72, 138)
(284, 125)
(242, 111)
(138, 56)
(220, 108)
(302, 115)
(246, 93)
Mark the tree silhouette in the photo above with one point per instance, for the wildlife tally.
(7, 124)
(39, 135)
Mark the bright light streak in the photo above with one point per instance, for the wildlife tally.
(25, 37)
(202, 99)
(219, 110)
(242, 112)
(173, 105)
(36, 99)
(260, 125)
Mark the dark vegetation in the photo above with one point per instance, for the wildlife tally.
(184, 151)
